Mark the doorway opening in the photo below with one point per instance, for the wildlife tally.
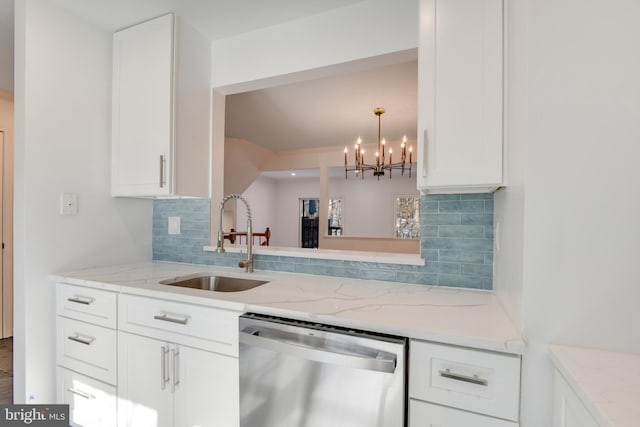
(309, 209)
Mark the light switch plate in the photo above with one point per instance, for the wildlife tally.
(68, 203)
(174, 225)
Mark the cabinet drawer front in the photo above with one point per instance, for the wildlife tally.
(196, 326)
(474, 380)
(91, 402)
(423, 414)
(87, 348)
(89, 305)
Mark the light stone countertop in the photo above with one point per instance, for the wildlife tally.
(607, 382)
(463, 317)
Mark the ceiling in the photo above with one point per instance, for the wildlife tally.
(214, 18)
(332, 111)
(328, 112)
(283, 175)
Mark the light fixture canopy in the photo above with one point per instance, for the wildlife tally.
(379, 168)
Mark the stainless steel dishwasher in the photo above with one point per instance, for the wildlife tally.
(301, 374)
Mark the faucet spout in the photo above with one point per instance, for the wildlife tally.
(248, 262)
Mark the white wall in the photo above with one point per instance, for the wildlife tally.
(62, 109)
(260, 195)
(581, 235)
(275, 204)
(368, 204)
(509, 201)
(363, 30)
(288, 195)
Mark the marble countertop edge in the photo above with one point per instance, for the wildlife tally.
(602, 382)
(453, 316)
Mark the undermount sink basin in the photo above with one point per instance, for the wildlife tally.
(208, 282)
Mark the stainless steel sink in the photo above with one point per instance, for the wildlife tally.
(213, 283)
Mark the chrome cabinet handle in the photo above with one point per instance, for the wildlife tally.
(313, 348)
(164, 377)
(475, 379)
(81, 393)
(162, 165)
(82, 339)
(175, 354)
(81, 300)
(165, 318)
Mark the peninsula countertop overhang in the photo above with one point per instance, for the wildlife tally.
(464, 317)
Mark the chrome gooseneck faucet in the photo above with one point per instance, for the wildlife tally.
(244, 263)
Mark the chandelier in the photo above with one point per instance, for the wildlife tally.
(379, 168)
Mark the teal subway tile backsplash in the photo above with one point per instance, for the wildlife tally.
(456, 244)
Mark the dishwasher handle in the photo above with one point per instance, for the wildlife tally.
(312, 349)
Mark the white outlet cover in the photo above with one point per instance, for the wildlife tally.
(174, 225)
(68, 203)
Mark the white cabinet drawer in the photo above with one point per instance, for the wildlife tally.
(423, 414)
(87, 348)
(91, 403)
(474, 380)
(196, 326)
(89, 305)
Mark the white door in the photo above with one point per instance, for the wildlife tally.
(145, 397)
(207, 389)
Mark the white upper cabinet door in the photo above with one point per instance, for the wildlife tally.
(161, 110)
(460, 96)
(142, 132)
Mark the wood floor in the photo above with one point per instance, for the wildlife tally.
(6, 370)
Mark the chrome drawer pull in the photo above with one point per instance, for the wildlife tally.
(465, 378)
(81, 393)
(176, 373)
(81, 300)
(82, 340)
(166, 318)
(164, 374)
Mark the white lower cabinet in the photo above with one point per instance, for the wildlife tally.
(424, 414)
(451, 386)
(166, 384)
(568, 409)
(91, 402)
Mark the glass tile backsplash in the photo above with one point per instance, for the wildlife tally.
(456, 243)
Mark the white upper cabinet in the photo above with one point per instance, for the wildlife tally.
(161, 110)
(460, 102)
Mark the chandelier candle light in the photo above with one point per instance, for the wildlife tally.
(380, 167)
